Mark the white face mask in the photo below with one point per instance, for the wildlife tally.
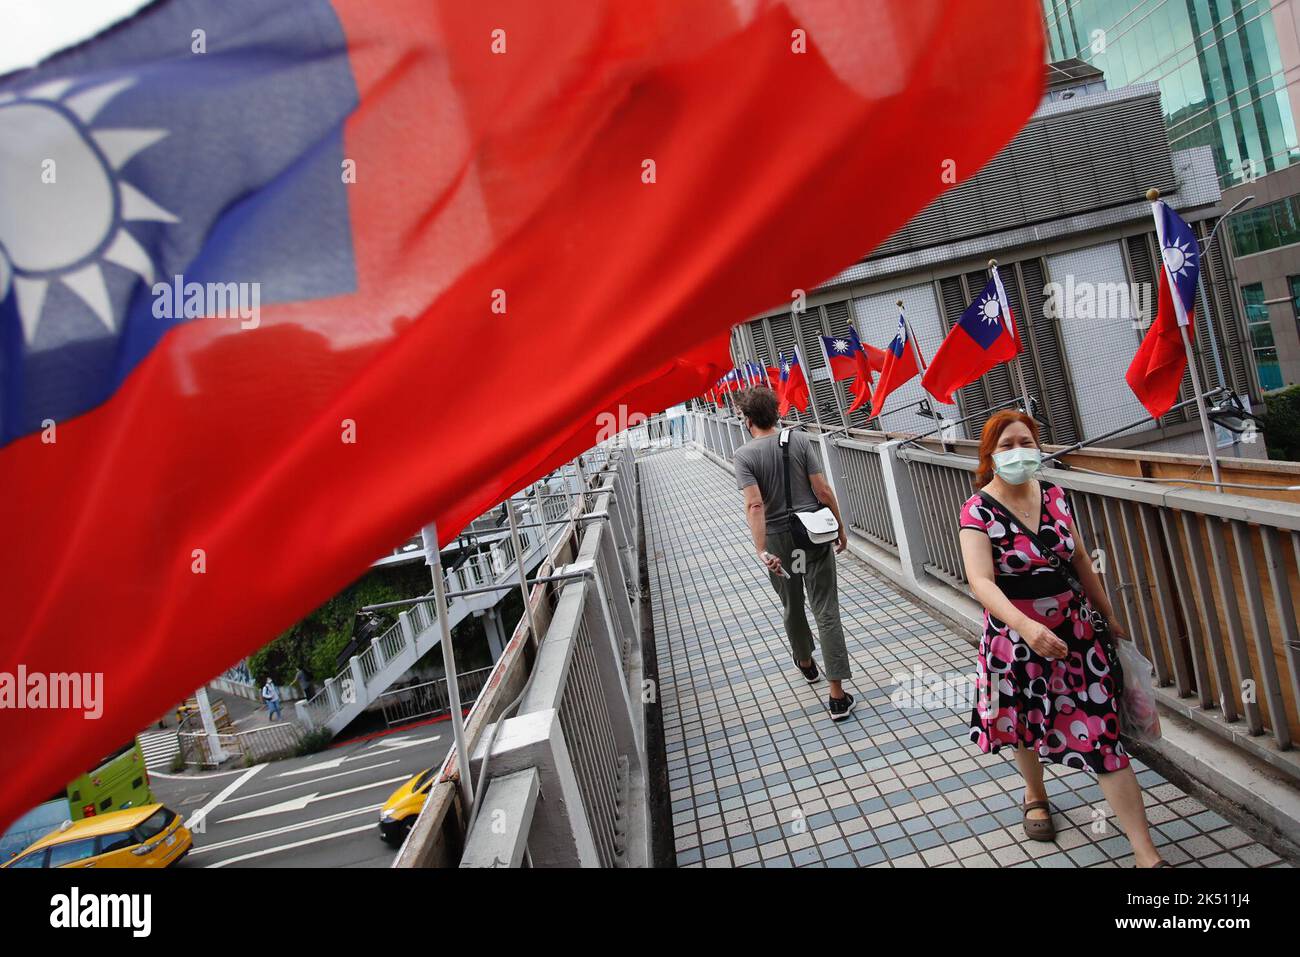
(1017, 466)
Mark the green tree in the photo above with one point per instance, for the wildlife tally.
(1282, 424)
(315, 642)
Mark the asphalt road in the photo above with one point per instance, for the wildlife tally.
(317, 811)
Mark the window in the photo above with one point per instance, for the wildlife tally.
(1261, 333)
(1268, 227)
(155, 824)
(34, 859)
(71, 852)
(117, 842)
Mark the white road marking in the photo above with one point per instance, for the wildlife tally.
(289, 847)
(396, 744)
(328, 777)
(196, 820)
(308, 769)
(191, 777)
(287, 829)
(299, 803)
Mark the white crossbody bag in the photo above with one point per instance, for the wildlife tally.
(817, 527)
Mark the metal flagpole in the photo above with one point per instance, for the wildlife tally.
(1211, 448)
(808, 382)
(911, 337)
(1010, 324)
(433, 558)
(911, 344)
(826, 357)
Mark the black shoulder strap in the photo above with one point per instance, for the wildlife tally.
(1053, 559)
(784, 442)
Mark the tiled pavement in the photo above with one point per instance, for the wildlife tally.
(759, 776)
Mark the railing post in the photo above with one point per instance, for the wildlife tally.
(304, 716)
(834, 468)
(561, 835)
(408, 630)
(904, 512)
(358, 679)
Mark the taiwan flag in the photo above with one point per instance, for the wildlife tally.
(848, 357)
(794, 387)
(1156, 372)
(900, 366)
(984, 336)
(250, 275)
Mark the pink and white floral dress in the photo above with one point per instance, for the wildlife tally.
(1064, 709)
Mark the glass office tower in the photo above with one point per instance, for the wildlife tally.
(1221, 78)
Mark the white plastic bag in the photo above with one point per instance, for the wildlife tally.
(1138, 718)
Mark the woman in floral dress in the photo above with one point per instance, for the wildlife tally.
(1045, 688)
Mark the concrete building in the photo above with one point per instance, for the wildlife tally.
(1063, 210)
(1228, 73)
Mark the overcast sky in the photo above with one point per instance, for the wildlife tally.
(33, 29)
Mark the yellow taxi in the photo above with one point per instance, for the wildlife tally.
(403, 807)
(147, 836)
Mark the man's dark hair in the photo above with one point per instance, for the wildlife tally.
(759, 406)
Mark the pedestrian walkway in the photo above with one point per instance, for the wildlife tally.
(759, 776)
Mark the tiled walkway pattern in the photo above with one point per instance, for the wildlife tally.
(759, 776)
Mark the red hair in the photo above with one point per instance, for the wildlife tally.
(993, 430)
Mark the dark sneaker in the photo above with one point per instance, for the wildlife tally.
(810, 672)
(840, 707)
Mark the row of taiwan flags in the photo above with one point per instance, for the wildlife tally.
(475, 230)
(986, 336)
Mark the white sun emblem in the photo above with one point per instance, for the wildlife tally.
(1180, 259)
(62, 230)
(840, 345)
(991, 309)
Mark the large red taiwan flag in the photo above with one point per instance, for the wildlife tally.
(984, 336)
(228, 321)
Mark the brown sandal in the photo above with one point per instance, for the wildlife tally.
(1037, 829)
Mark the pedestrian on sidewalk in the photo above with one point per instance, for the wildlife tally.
(761, 475)
(304, 684)
(1046, 686)
(271, 695)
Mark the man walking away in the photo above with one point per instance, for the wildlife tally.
(760, 475)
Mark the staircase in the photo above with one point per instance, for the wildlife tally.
(392, 654)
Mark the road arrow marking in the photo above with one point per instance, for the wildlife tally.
(327, 777)
(299, 803)
(323, 766)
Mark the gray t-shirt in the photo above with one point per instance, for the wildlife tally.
(759, 462)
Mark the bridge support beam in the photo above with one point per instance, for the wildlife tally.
(492, 627)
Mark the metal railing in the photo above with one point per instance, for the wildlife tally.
(942, 484)
(865, 505)
(576, 732)
(256, 744)
(429, 698)
(1205, 583)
